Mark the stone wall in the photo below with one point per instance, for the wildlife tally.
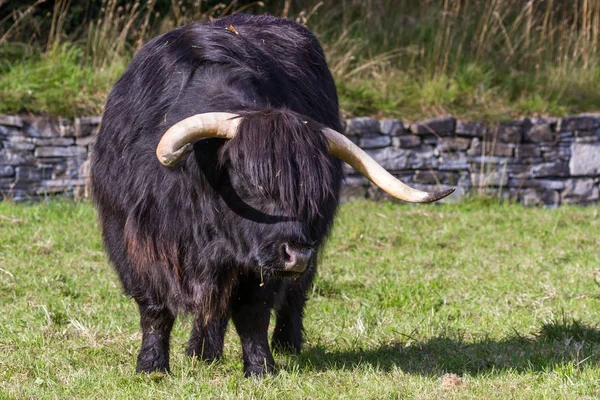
(537, 161)
(44, 156)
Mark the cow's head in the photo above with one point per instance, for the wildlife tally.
(280, 180)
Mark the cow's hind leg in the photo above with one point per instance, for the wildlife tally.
(156, 319)
(156, 322)
(207, 339)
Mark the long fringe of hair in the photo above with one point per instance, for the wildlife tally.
(285, 155)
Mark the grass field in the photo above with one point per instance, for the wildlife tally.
(458, 301)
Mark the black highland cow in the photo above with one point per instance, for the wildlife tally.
(233, 230)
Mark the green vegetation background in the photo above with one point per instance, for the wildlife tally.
(478, 59)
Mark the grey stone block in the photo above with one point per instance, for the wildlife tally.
(49, 127)
(19, 143)
(391, 159)
(86, 126)
(66, 128)
(539, 197)
(487, 160)
(552, 121)
(406, 141)
(32, 173)
(485, 179)
(422, 157)
(375, 141)
(580, 191)
(454, 144)
(53, 151)
(59, 169)
(441, 126)
(585, 136)
(392, 127)
(56, 141)
(556, 153)
(523, 151)
(519, 171)
(400, 159)
(11, 120)
(548, 184)
(93, 121)
(491, 148)
(430, 139)
(539, 133)
(430, 177)
(580, 122)
(90, 140)
(361, 126)
(510, 132)
(6, 171)
(473, 129)
(454, 161)
(585, 159)
(42, 127)
(74, 165)
(550, 169)
(564, 136)
(7, 131)
(586, 139)
(16, 157)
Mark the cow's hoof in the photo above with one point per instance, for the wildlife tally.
(147, 364)
(149, 370)
(285, 345)
(257, 371)
(205, 355)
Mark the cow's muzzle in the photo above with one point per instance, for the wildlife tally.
(295, 259)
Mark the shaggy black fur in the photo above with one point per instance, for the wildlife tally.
(206, 236)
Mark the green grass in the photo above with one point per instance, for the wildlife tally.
(457, 301)
(58, 83)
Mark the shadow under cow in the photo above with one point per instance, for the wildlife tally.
(555, 344)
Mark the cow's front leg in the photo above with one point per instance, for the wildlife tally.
(156, 322)
(207, 338)
(287, 336)
(250, 313)
(288, 333)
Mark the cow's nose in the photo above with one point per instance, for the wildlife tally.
(295, 259)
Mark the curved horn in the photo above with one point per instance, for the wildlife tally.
(179, 138)
(341, 147)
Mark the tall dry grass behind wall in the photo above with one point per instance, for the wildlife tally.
(465, 53)
(436, 34)
(415, 58)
